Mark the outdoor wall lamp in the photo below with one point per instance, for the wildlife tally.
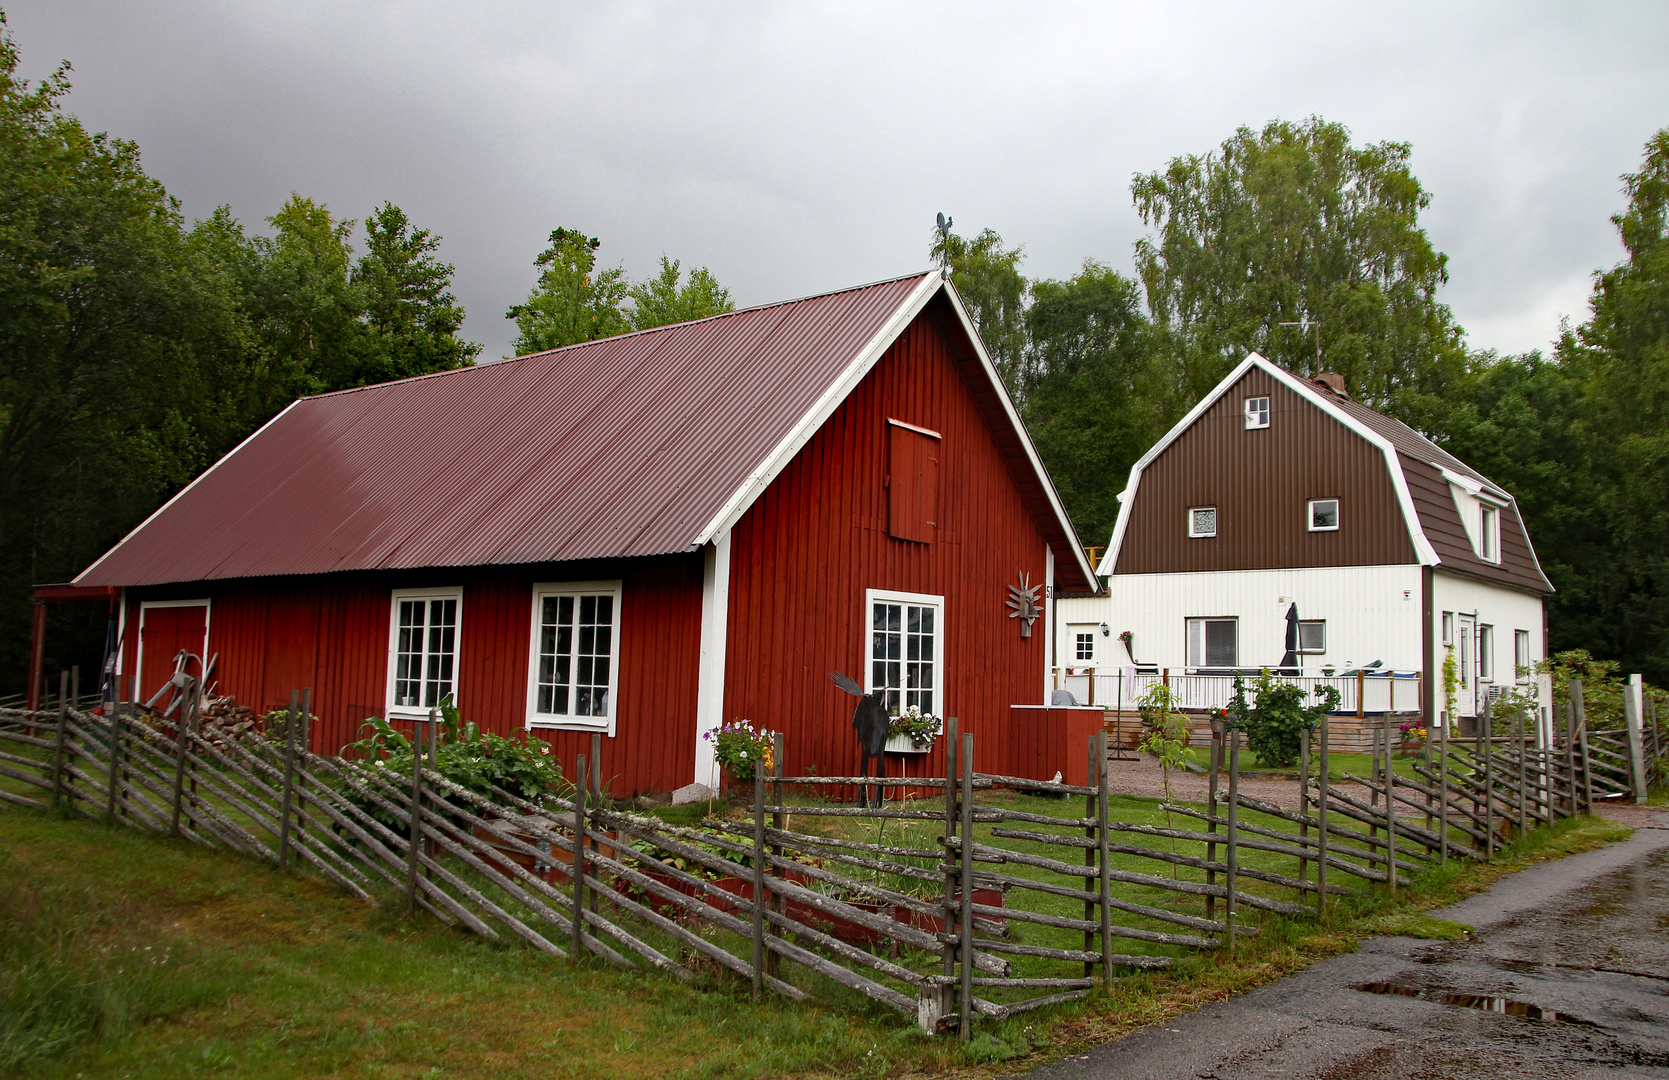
(1105, 632)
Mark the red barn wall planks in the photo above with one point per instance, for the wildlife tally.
(804, 554)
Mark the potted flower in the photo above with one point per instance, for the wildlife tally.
(1413, 736)
(741, 749)
(912, 731)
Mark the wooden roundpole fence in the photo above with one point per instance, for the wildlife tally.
(1230, 878)
(290, 721)
(580, 784)
(1321, 825)
(58, 742)
(1102, 793)
(758, 881)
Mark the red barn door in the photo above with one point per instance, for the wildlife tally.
(163, 632)
(292, 651)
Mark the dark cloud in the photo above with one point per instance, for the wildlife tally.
(794, 148)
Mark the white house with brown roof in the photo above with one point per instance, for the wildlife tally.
(1281, 524)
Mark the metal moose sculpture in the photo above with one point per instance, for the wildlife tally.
(871, 722)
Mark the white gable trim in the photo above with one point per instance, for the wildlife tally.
(777, 460)
(842, 387)
(182, 492)
(1423, 551)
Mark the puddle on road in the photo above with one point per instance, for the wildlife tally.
(1482, 1002)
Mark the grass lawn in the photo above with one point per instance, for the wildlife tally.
(124, 954)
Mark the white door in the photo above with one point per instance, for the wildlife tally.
(1466, 644)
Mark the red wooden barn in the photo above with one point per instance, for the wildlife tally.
(641, 536)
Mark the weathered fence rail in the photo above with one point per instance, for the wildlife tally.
(959, 897)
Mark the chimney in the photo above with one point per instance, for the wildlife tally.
(1332, 381)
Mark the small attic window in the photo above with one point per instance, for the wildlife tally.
(1202, 521)
(1257, 412)
(1324, 515)
(1489, 534)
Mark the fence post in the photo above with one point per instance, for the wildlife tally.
(1361, 684)
(1303, 805)
(1443, 789)
(180, 725)
(597, 802)
(1425, 755)
(1570, 760)
(1102, 791)
(414, 834)
(1091, 854)
(951, 949)
(1487, 735)
(1521, 728)
(58, 744)
(580, 784)
(1233, 840)
(114, 773)
(965, 909)
(1632, 720)
(303, 741)
(1211, 806)
(773, 960)
(1579, 712)
(290, 721)
(1321, 825)
(758, 881)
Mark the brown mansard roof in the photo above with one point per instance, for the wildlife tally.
(1417, 468)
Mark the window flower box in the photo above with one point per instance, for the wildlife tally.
(904, 744)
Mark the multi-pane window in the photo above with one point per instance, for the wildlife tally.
(1312, 636)
(905, 650)
(1212, 643)
(1202, 521)
(425, 650)
(575, 653)
(1257, 412)
(1085, 645)
(1324, 515)
(1521, 655)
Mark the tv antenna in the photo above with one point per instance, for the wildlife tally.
(1306, 324)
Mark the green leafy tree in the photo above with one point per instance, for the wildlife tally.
(411, 319)
(987, 275)
(1295, 224)
(573, 301)
(305, 307)
(1089, 406)
(112, 323)
(669, 298)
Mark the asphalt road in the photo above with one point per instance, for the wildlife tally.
(1567, 976)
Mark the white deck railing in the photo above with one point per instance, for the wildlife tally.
(1367, 693)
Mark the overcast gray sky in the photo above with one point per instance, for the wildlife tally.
(795, 148)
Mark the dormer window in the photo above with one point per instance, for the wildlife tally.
(1489, 534)
(1202, 522)
(1324, 515)
(1257, 412)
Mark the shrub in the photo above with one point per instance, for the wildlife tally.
(466, 756)
(1277, 717)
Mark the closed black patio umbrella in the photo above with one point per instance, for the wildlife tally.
(1289, 662)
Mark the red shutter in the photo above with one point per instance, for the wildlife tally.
(913, 482)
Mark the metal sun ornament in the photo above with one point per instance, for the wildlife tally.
(1023, 599)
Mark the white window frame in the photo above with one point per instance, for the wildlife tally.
(1448, 628)
(1079, 639)
(569, 722)
(1521, 655)
(1192, 535)
(1309, 514)
(1489, 532)
(1312, 622)
(1486, 653)
(942, 684)
(420, 712)
(1203, 656)
(1256, 417)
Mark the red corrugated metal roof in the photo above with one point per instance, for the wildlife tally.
(633, 445)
